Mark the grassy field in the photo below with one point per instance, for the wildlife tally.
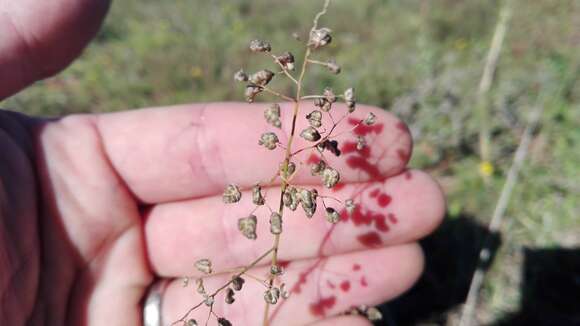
(420, 59)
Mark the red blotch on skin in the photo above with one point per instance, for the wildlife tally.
(356, 267)
(403, 155)
(381, 224)
(363, 282)
(283, 263)
(402, 127)
(375, 193)
(344, 215)
(371, 239)
(301, 281)
(392, 218)
(384, 200)
(350, 147)
(313, 159)
(362, 129)
(408, 175)
(367, 217)
(345, 286)
(361, 163)
(320, 307)
(338, 186)
(330, 284)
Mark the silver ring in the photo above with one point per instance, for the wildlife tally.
(153, 303)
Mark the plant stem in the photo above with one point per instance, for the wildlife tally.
(485, 83)
(498, 214)
(240, 273)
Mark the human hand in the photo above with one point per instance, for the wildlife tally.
(96, 207)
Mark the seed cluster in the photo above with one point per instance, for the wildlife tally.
(318, 135)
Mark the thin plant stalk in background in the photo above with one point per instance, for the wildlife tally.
(482, 104)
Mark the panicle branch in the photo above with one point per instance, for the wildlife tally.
(292, 196)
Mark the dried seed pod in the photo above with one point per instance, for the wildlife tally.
(317, 168)
(308, 200)
(275, 223)
(199, 286)
(330, 177)
(232, 194)
(272, 115)
(247, 225)
(229, 296)
(329, 95)
(319, 102)
(310, 134)
(260, 46)
(290, 198)
(272, 295)
(350, 206)
(290, 169)
(268, 140)
(241, 76)
(286, 60)
(308, 197)
(333, 67)
(284, 293)
(331, 146)
(191, 322)
(321, 146)
(257, 197)
(262, 77)
(360, 142)
(332, 215)
(204, 266)
(223, 322)
(370, 119)
(374, 314)
(276, 270)
(315, 118)
(320, 37)
(326, 106)
(350, 99)
(209, 300)
(309, 211)
(238, 283)
(251, 92)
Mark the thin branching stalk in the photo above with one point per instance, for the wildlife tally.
(240, 273)
(497, 217)
(288, 154)
(486, 81)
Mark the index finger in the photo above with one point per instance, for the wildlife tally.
(189, 151)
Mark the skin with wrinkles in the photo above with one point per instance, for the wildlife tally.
(94, 208)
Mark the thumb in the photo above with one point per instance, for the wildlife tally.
(40, 38)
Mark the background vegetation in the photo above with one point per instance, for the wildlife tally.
(418, 58)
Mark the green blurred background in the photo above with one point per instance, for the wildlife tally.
(419, 59)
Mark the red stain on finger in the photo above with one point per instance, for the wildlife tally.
(362, 130)
(370, 239)
(363, 282)
(384, 200)
(350, 147)
(320, 307)
(345, 286)
(313, 159)
(381, 224)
